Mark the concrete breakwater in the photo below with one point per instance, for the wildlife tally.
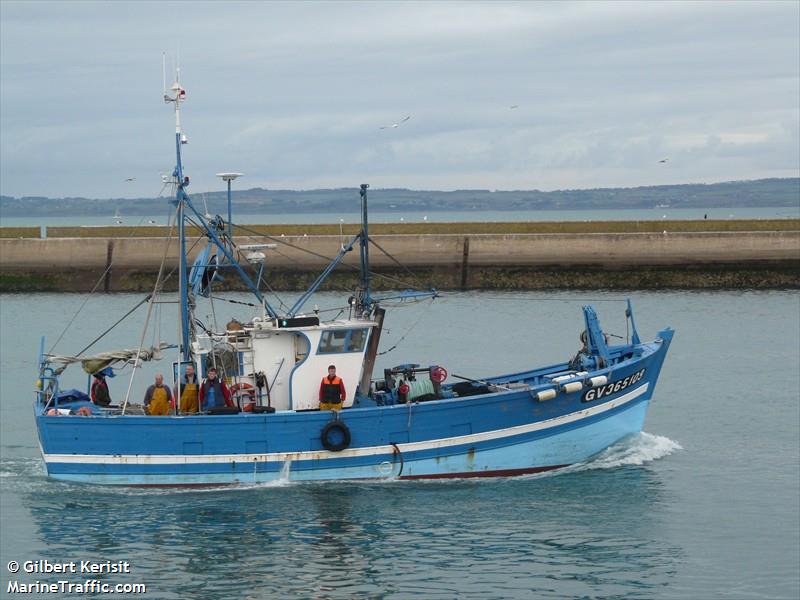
(643, 260)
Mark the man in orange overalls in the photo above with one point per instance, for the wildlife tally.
(157, 398)
(331, 391)
(188, 391)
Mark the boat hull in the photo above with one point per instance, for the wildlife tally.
(499, 434)
(493, 454)
(509, 432)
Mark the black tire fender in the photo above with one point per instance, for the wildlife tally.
(335, 436)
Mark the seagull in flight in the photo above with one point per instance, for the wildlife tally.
(663, 160)
(130, 178)
(396, 125)
(513, 106)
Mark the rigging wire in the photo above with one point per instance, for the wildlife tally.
(156, 325)
(91, 293)
(125, 316)
(339, 308)
(213, 312)
(323, 257)
(235, 250)
(179, 322)
(281, 303)
(161, 311)
(221, 299)
(176, 267)
(419, 318)
(97, 285)
(404, 301)
(456, 295)
(156, 290)
(395, 261)
(274, 293)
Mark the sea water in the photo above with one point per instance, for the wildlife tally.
(703, 504)
(417, 216)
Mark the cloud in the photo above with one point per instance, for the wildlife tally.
(293, 94)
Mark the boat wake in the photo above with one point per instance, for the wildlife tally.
(21, 467)
(636, 450)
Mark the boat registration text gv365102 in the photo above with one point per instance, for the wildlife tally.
(612, 388)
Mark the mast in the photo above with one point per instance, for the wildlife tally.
(364, 300)
(218, 238)
(176, 95)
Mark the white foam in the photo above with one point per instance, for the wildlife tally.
(636, 450)
(211, 488)
(21, 467)
(285, 470)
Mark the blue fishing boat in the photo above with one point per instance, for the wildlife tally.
(280, 421)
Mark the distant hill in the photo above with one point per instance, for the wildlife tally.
(733, 194)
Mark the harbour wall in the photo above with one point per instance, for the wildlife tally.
(691, 260)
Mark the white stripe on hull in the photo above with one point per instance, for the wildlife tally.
(167, 459)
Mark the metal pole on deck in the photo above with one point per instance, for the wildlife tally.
(372, 352)
(366, 299)
(229, 177)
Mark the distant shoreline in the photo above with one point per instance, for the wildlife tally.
(776, 192)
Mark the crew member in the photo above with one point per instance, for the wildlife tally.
(99, 393)
(157, 398)
(214, 393)
(188, 390)
(331, 391)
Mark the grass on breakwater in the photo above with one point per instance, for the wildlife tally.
(561, 227)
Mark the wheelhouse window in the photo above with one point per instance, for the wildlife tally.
(358, 339)
(339, 341)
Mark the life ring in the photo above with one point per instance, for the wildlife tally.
(84, 411)
(244, 391)
(438, 374)
(335, 436)
(246, 387)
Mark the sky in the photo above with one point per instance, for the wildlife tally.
(294, 95)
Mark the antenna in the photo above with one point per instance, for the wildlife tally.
(179, 96)
(164, 74)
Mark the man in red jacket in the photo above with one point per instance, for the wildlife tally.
(331, 391)
(99, 392)
(213, 392)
